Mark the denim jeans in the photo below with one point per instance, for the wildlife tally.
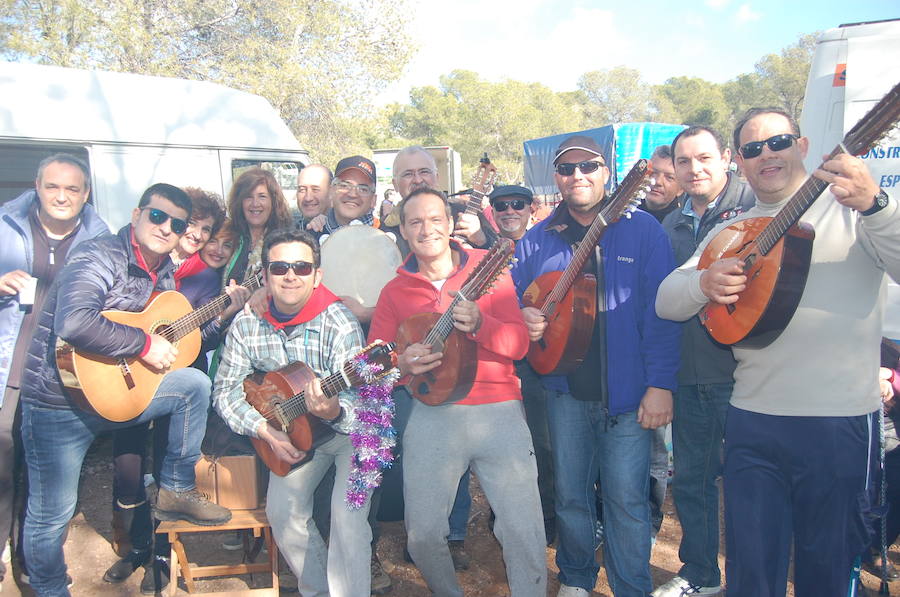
(698, 427)
(55, 443)
(587, 443)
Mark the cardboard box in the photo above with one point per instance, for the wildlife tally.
(235, 482)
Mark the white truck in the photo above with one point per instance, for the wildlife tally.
(136, 130)
(853, 67)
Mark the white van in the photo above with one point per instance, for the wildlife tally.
(136, 130)
(854, 66)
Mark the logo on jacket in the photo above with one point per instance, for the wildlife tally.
(625, 259)
(731, 213)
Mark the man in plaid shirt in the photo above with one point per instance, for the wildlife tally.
(304, 322)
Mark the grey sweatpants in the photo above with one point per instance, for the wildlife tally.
(439, 444)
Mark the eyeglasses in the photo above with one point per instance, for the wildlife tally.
(516, 204)
(301, 268)
(566, 169)
(422, 172)
(159, 217)
(776, 143)
(343, 186)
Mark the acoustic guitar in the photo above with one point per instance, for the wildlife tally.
(568, 299)
(776, 251)
(120, 389)
(279, 397)
(453, 380)
(481, 186)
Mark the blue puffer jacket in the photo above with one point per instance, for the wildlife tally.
(101, 274)
(17, 253)
(642, 348)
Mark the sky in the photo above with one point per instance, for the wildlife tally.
(554, 41)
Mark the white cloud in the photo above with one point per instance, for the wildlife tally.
(745, 14)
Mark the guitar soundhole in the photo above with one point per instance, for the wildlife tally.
(423, 389)
(160, 329)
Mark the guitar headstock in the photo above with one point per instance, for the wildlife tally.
(627, 198)
(374, 362)
(877, 122)
(482, 278)
(483, 180)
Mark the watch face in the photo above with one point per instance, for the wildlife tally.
(881, 198)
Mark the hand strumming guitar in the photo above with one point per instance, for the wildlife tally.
(280, 443)
(723, 280)
(418, 359)
(535, 322)
(161, 353)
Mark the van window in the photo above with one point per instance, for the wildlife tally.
(285, 173)
(19, 164)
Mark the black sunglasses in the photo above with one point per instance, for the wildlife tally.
(301, 268)
(516, 204)
(776, 143)
(567, 169)
(158, 217)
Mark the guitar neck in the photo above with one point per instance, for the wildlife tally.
(295, 406)
(791, 213)
(187, 324)
(475, 202)
(444, 324)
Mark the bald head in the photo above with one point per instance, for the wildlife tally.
(313, 183)
(414, 168)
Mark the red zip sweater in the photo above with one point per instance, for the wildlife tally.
(501, 338)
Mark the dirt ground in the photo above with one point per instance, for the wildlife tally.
(89, 554)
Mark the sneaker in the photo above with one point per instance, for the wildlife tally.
(459, 555)
(381, 582)
(156, 576)
(679, 587)
(233, 541)
(191, 506)
(567, 591)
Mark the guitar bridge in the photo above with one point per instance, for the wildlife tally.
(281, 418)
(126, 374)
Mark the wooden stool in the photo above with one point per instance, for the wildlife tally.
(254, 520)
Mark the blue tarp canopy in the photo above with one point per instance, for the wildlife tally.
(627, 142)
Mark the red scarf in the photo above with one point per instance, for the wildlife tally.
(189, 267)
(318, 301)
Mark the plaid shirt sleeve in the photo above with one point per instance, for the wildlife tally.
(235, 365)
(342, 340)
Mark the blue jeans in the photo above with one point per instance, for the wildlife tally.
(55, 442)
(698, 427)
(586, 443)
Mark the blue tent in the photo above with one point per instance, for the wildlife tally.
(628, 142)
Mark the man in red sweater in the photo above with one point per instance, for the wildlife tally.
(486, 429)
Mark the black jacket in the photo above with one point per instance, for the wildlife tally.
(100, 274)
(703, 360)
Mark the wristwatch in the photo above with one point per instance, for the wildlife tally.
(881, 201)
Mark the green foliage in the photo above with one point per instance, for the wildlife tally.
(319, 62)
(696, 101)
(615, 95)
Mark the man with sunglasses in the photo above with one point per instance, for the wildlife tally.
(304, 322)
(799, 427)
(111, 272)
(714, 195)
(601, 415)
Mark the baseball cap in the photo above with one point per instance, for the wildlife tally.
(511, 190)
(581, 142)
(358, 162)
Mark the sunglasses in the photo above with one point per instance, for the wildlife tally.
(516, 204)
(159, 217)
(301, 268)
(776, 143)
(566, 169)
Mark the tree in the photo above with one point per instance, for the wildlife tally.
(476, 116)
(783, 76)
(615, 95)
(319, 62)
(696, 101)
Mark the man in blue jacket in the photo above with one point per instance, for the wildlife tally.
(111, 272)
(600, 416)
(37, 229)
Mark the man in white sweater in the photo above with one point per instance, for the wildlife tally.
(799, 429)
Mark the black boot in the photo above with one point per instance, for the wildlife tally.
(125, 567)
(136, 528)
(156, 576)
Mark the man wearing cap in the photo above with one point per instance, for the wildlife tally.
(665, 192)
(601, 415)
(352, 193)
